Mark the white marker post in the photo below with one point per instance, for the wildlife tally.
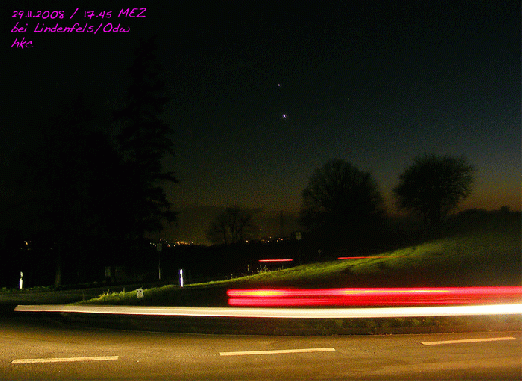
(159, 248)
(21, 280)
(181, 277)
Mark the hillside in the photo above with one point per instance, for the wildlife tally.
(475, 254)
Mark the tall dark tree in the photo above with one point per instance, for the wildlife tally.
(433, 186)
(144, 141)
(67, 189)
(233, 225)
(341, 198)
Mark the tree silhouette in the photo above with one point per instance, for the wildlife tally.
(233, 225)
(144, 141)
(67, 186)
(339, 197)
(88, 197)
(433, 186)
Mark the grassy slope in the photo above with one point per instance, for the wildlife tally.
(485, 255)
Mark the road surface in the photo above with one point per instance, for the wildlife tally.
(49, 350)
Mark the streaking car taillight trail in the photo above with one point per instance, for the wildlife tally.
(373, 296)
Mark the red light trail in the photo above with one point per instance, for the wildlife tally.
(374, 296)
(276, 260)
(365, 257)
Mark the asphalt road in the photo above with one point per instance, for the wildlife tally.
(46, 349)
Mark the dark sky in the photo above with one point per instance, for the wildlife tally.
(263, 94)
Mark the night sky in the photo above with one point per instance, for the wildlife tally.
(263, 94)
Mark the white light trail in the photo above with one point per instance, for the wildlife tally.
(284, 313)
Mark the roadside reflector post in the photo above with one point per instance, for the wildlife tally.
(181, 277)
(159, 248)
(21, 280)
